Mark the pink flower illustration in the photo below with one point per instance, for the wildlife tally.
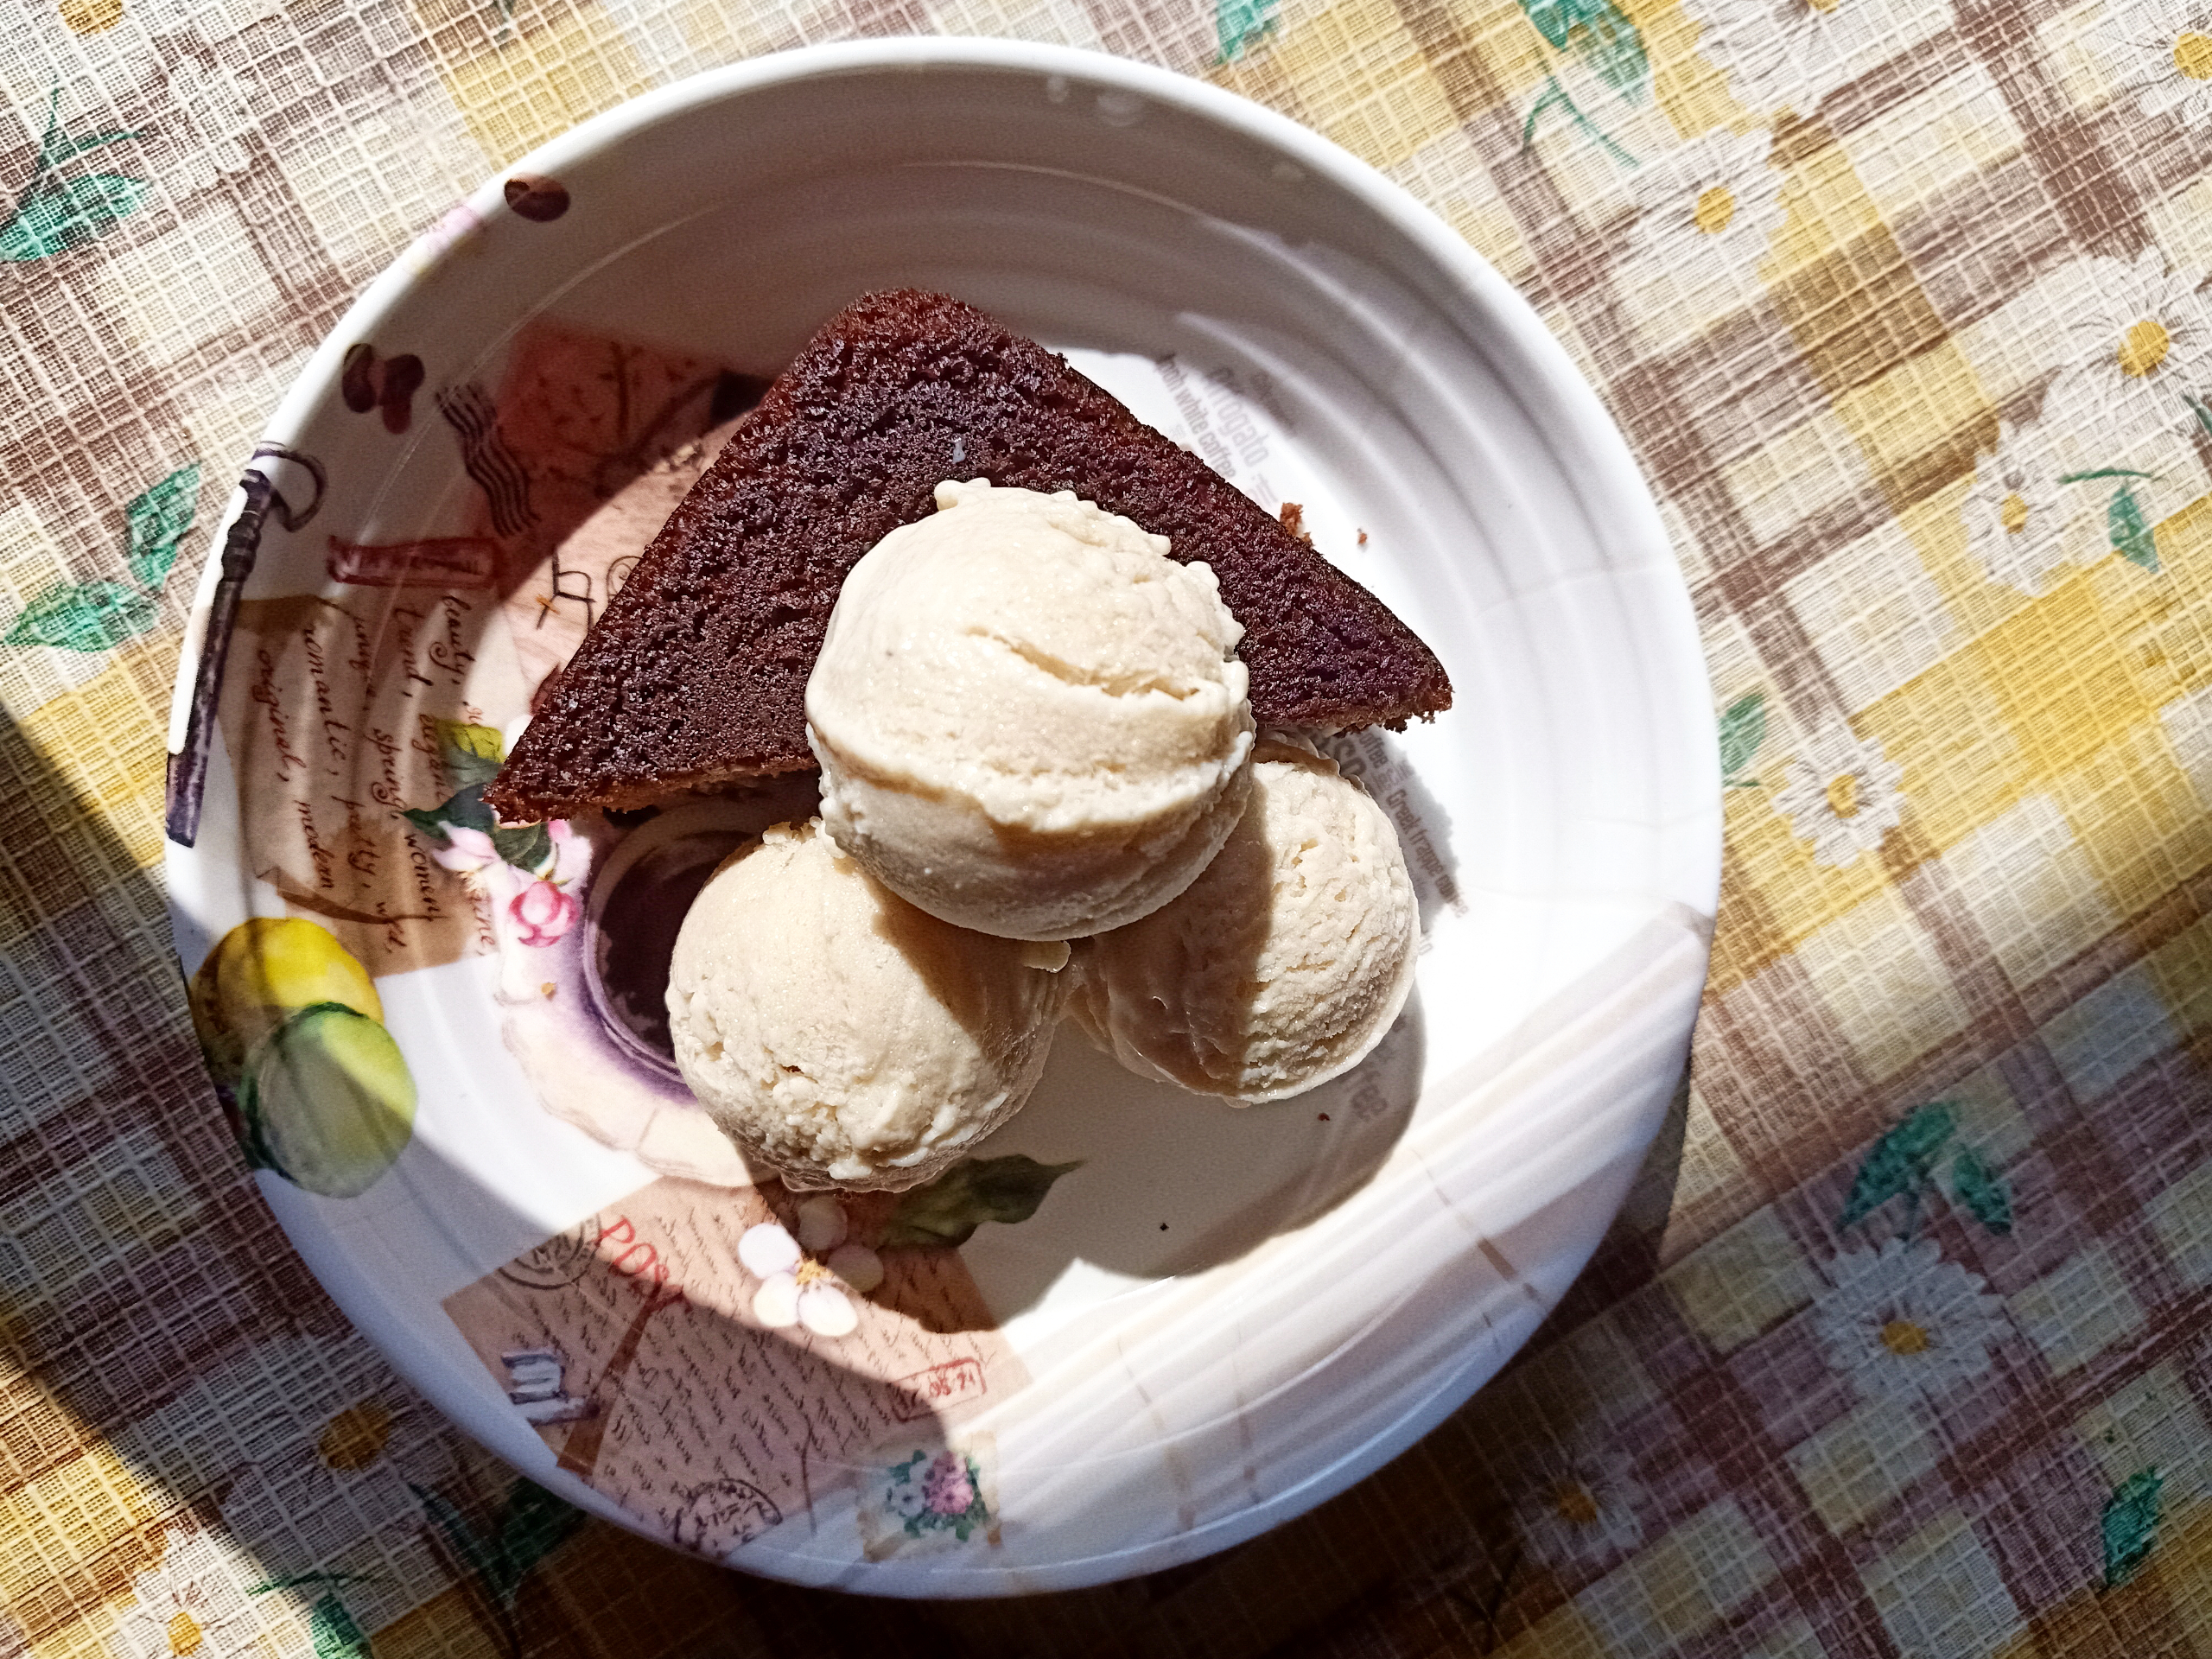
(946, 1488)
(466, 849)
(925, 1494)
(543, 913)
(571, 853)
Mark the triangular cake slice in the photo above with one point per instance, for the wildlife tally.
(695, 675)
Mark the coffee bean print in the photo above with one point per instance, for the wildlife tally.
(536, 197)
(401, 378)
(357, 381)
(390, 385)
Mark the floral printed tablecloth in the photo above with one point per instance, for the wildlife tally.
(1903, 1344)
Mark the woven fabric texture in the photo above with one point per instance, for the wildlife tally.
(1904, 1344)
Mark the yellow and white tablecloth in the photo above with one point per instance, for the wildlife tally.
(1903, 1344)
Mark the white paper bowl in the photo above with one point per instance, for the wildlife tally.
(1354, 1291)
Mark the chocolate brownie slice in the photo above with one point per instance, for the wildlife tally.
(695, 675)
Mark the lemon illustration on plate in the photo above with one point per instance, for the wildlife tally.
(292, 1025)
(263, 972)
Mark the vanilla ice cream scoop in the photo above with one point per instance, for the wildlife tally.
(1030, 721)
(841, 1037)
(1283, 964)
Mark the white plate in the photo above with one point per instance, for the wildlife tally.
(1221, 1318)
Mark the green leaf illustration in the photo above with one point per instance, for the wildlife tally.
(950, 1209)
(329, 1625)
(430, 820)
(1742, 728)
(84, 616)
(473, 754)
(1601, 32)
(529, 848)
(333, 1631)
(91, 616)
(1615, 49)
(2131, 1525)
(58, 214)
(1982, 1191)
(2104, 472)
(59, 150)
(53, 215)
(534, 1524)
(2130, 532)
(1900, 1161)
(1241, 24)
(1554, 19)
(472, 1552)
(464, 808)
(155, 522)
(1555, 95)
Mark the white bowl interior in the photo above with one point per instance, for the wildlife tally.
(1397, 388)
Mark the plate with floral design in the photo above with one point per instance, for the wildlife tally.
(1135, 1326)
